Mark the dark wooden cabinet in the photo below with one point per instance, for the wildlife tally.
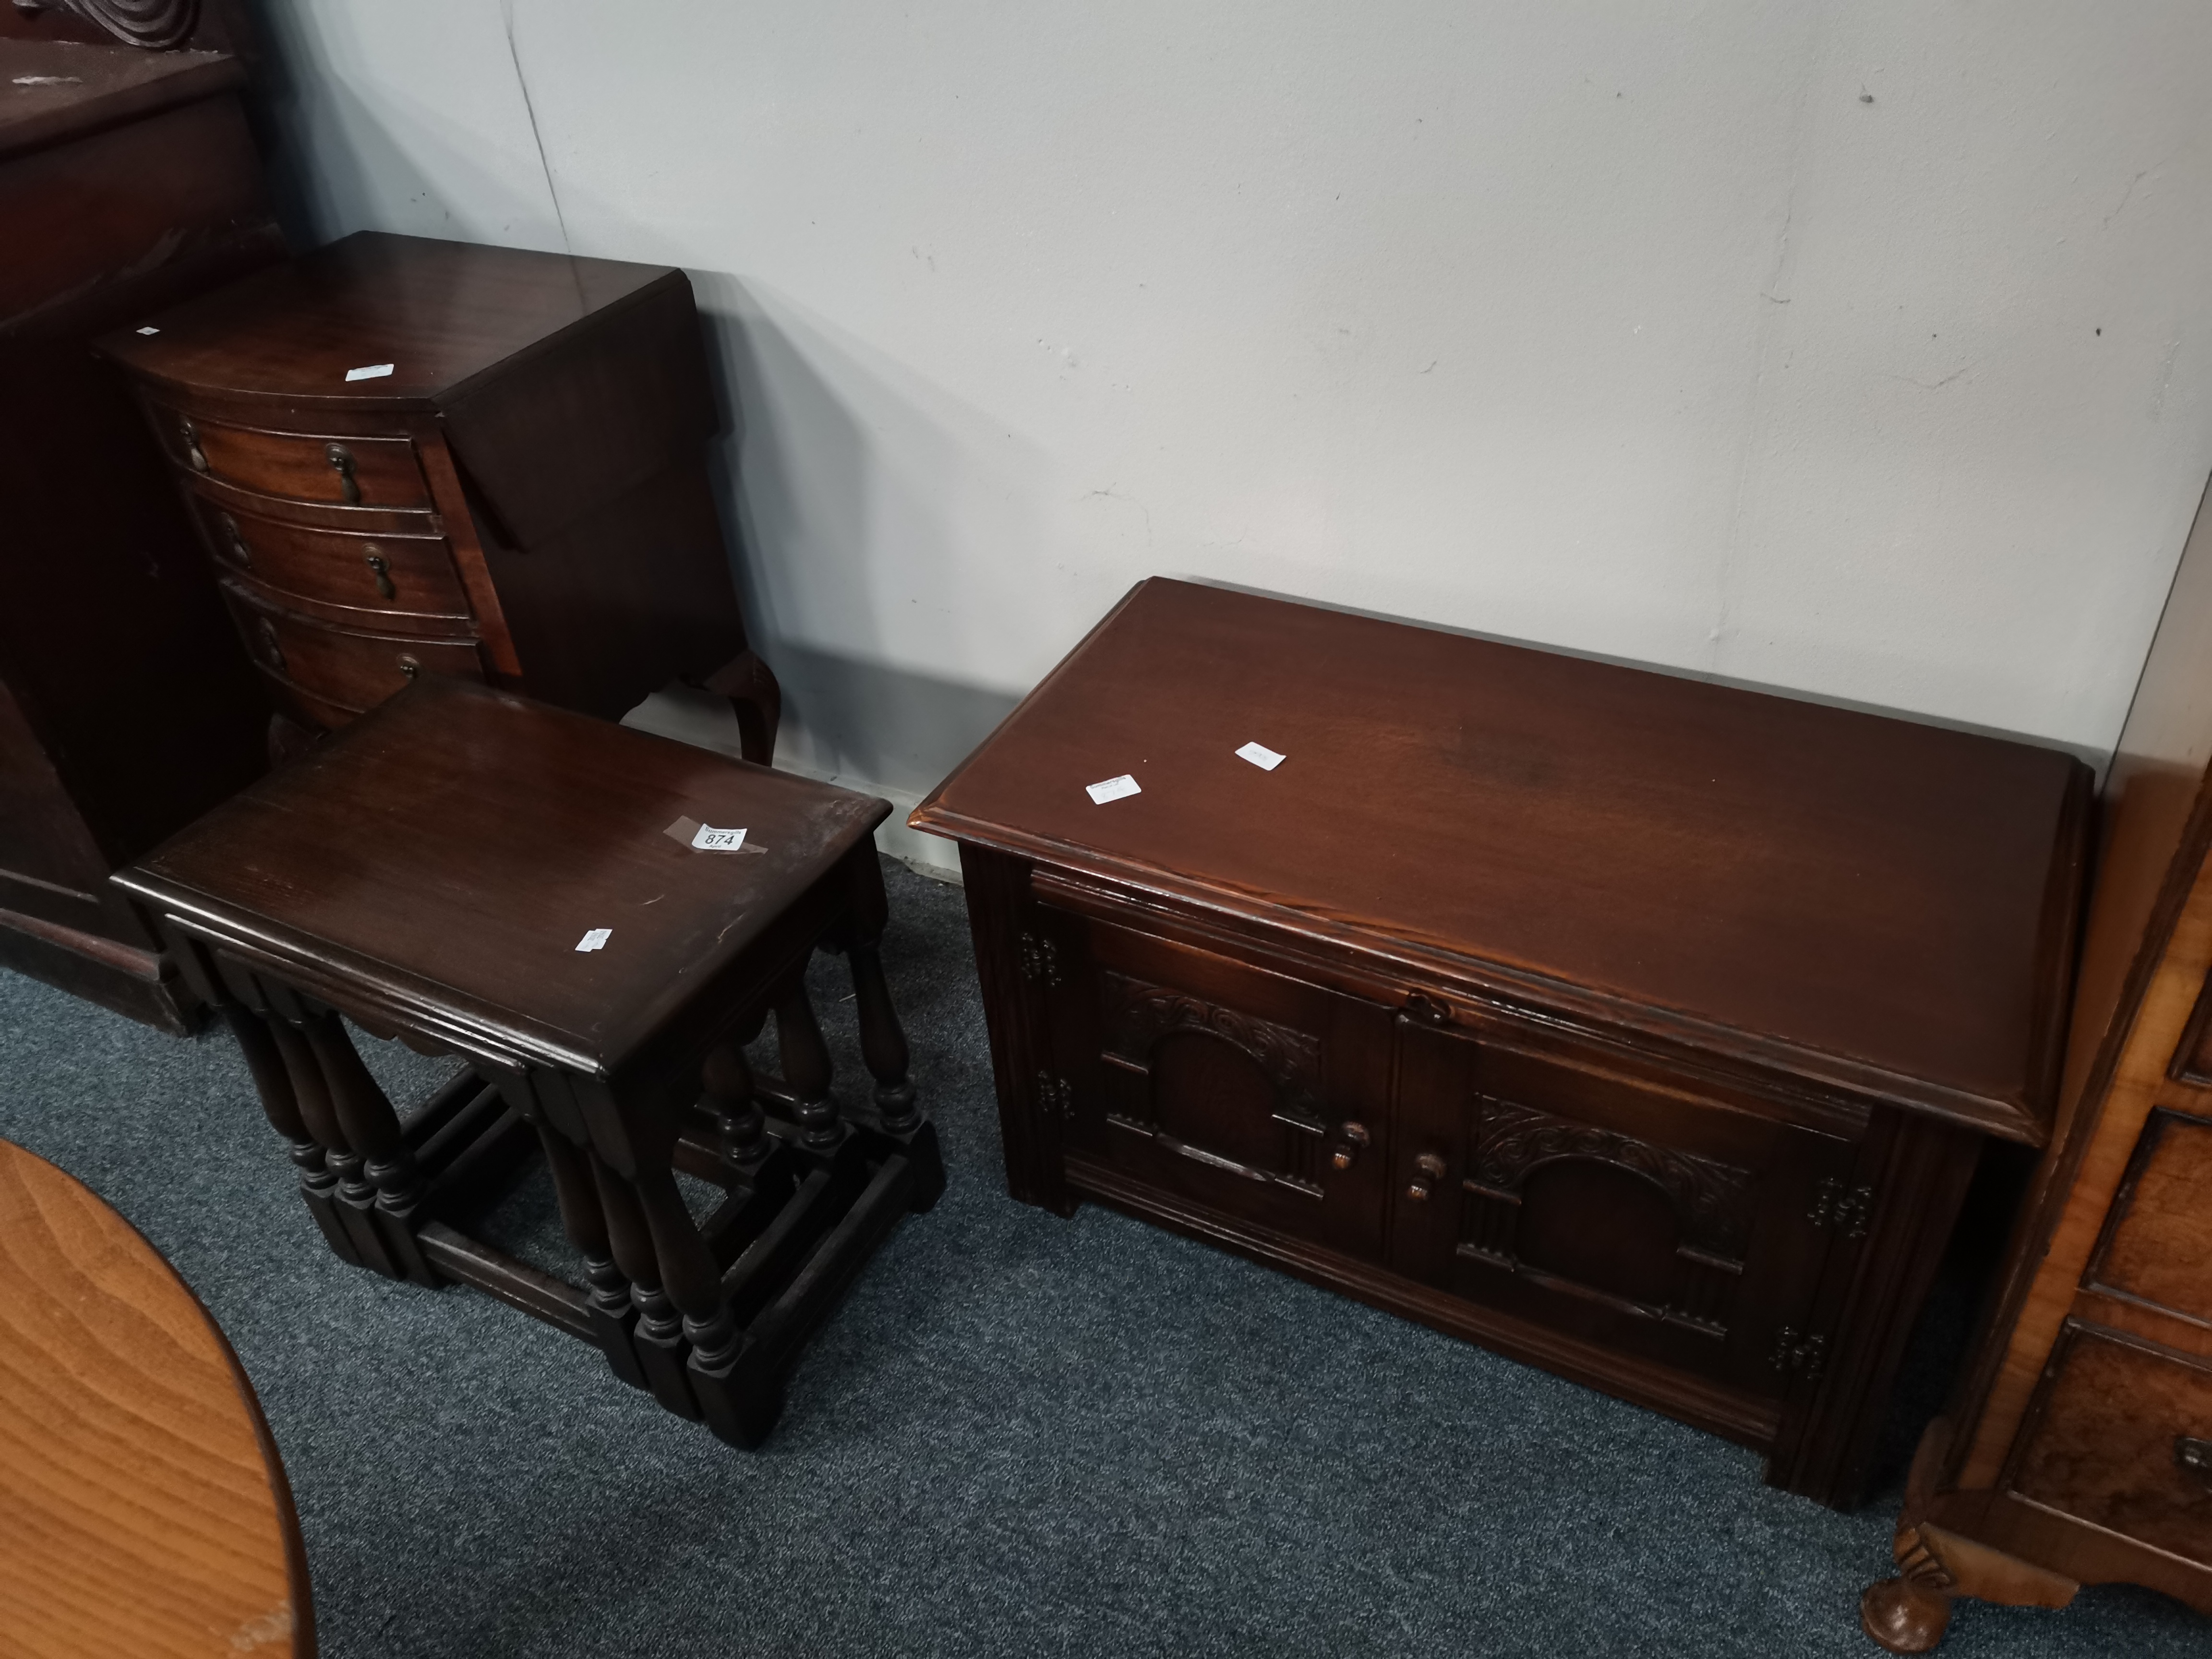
(407, 456)
(127, 183)
(1643, 1030)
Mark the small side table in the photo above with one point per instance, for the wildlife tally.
(482, 875)
(144, 1508)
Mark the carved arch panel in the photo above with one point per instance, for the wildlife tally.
(1711, 1204)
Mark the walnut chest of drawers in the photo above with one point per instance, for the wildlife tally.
(410, 456)
(1644, 1029)
(2077, 1447)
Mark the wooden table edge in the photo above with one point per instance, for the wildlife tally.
(298, 1584)
(1482, 980)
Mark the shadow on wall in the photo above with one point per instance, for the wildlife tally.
(841, 481)
(861, 722)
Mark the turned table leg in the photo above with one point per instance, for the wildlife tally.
(883, 1044)
(728, 1084)
(372, 1128)
(352, 1200)
(612, 1312)
(280, 1103)
(659, 1333)
(805, 1058)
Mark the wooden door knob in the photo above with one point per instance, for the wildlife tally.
(1430, 1168)
(1351, 1141)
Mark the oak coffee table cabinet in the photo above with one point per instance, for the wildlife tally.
(1641, 1029)
(408, 455)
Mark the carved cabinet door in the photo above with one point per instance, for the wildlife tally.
(1246, 1093)
(1663, 1218)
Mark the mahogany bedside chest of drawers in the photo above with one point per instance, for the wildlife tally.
(407, 454)
(1641, 1029)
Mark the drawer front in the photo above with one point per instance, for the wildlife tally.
(337, 471)
(2121, 1436)
(1249, 1093)
(2157, 1246)
(338, 668)
(1626, 1209)
(390, 582)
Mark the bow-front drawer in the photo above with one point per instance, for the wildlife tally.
(324, 469)
(334, 673)
(394, 582)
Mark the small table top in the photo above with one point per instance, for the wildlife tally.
(443, 314)
(144, 1508)
(452, 848)
(1865, 901)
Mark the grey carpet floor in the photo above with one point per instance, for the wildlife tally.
(1020, 1436)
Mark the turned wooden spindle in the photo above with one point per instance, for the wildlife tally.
(280, 1103)
(729, 1096)
(806, 1069)
(613, 1314)
(372, 1127)
(694, 1282)
(882, 1044)
(356, 1200)
(659, 1333)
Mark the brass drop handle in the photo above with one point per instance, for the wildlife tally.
(1352, 1140)
(382, 568)
(238, 547)
(409, 665)
(2194, 1455)
(1431, 1168)
(341, 460)
(194, 453)
(270, 648)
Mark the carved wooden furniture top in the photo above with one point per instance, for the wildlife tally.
(56, 89)
(472, 829)
(1857, 900)
(142, 1506)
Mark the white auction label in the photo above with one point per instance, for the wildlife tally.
(1261, 755)
(1113, 789)
(149, 329)
(373, 372)
(711, 840)
(596, 940)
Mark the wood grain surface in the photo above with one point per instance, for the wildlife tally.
(1881, 904)
(143, 1509)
